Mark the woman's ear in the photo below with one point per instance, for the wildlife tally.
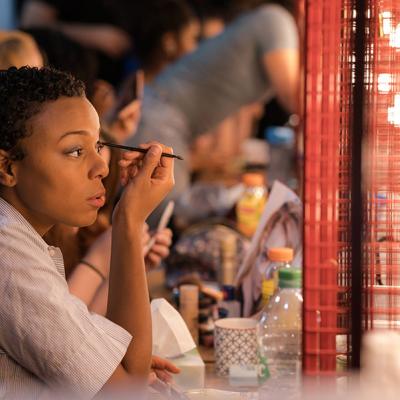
(7, 173)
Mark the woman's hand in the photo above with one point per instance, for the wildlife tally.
(147, 179)
(160, 248)
(162, 369)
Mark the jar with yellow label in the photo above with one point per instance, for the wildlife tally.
(251, 205)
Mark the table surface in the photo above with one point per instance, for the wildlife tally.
(217, 382)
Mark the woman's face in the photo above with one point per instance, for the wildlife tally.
(60, 178)
(188, 38)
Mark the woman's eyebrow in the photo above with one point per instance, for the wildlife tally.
(84, 133)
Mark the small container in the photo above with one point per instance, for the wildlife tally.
(250, 207)
(228, 269)
(189, 308)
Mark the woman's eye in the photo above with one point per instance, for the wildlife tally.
(75, 153)
(99, 147)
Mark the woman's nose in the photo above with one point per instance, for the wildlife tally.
(100, 168)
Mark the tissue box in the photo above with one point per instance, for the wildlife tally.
(193, 370)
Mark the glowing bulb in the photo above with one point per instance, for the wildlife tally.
(394, 112)
(384, 81)
(395, 37)
(386, 22)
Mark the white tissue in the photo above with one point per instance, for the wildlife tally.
(171, 337)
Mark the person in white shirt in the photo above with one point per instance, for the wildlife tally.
(51, 172)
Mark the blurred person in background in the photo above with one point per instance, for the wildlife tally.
(216, 155)
(165, 31)
(18, 49)
(66, 54)
(255, 58)
(104, 26)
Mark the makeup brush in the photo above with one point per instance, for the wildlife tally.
(138, 149)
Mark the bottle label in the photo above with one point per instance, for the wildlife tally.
(249, 211)
(267, 289)
(263, 370)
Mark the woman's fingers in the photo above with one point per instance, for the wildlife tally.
(147, 179)
(160, 249)
(163, 364)
(152, 378)
(163, 375)
(146, 235)
(164, 237)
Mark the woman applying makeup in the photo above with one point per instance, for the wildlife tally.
(51, 172)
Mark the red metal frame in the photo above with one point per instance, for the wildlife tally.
(329, 75)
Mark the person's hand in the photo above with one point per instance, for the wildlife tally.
(146, 235)
(160, 248)
(111, 40)
(126, 122)
(147, 179)
(162, 369)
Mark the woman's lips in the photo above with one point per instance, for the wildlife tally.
(97, 201)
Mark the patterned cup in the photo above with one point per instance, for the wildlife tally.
(235, 343)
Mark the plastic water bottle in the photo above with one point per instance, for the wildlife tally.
(279, 331)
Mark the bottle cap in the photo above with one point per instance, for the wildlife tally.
(290, 277)
(253, 179)
(280, 254)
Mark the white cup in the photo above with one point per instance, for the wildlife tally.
(235, 343)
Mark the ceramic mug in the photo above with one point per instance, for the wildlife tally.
(235, 343)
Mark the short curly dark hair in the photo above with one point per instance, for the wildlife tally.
(23, 92)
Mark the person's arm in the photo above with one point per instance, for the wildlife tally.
(37, 13)
(89, 279)
(107, 38)
(89, 275)
(282, 68)
(145, 187)
(160, 250)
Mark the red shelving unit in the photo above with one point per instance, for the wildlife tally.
(331, 197)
